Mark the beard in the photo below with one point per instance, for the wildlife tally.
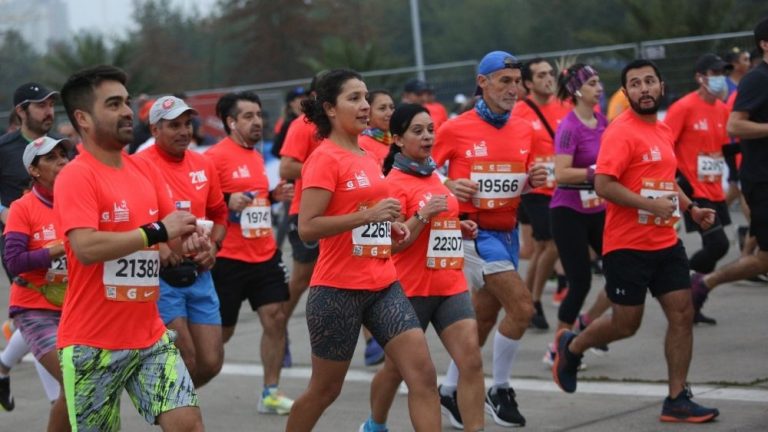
(40, 127)
(115, 137)
(638, 108)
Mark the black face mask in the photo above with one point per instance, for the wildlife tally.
(180, 276)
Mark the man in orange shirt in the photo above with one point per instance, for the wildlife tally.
(636, 174)
(249, 265)
(188, 302)
(698, 121)
(544, 112)
(110, 207)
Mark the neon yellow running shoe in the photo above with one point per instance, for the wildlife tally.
(275, 403)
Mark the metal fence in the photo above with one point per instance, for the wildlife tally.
(675, 57)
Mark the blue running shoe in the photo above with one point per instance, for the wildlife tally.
(374, 353)
(566, 363)
(682, 409)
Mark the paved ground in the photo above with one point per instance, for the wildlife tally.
(621, 391)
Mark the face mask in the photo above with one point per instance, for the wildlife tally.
(716, 84)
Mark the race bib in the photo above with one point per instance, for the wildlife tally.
(256, 219)
(590, 199)
(548, 162)
(654, 189)
(134, 277)
(499, 183)
(373, 240)
(446, 246)
(57, 272)
(710, 167)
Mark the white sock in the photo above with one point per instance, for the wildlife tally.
(504, 353)
(50, 385)
(451, 380)
(16, 349)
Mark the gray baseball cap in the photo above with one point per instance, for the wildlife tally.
(168, 108)
(40, 147)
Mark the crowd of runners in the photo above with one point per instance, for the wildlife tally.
(128, 271)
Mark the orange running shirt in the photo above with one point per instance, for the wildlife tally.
(543, 143)
(90, 194)
(641, 157)
(350, 261)
(242, 170)
(698, 129)
(29, 216)
(495, 158)
(423, 268)
(375, 149)
(438, 113)
(300, 141)
(194, 183)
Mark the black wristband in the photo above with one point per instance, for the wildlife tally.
(691, 206)
(155, 232)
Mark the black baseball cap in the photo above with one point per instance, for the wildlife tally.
(32, 92)
(712, 62)
(416, 86)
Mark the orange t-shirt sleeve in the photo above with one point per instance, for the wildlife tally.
(675, 119)
(442, 150)
(320, 171)
(298, 140)
(18, 215)
(76, 204)
(215, 209)
(613, 158)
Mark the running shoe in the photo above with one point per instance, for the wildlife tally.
(450, 408)
(700, 318)
(538, 320)
(274, 402)
(559, 296)
(500, 403)
(368, 427)
(549, 358)
(682, 409)
(6, 398)
(567, 363)
(374, 353)
(8, 329)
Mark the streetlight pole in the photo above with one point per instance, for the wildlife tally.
(416, 26)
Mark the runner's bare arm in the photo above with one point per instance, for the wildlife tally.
(705, 217)
(462, 188)
(290, 168)
(565, 173)
(434, 206)
(609, 188)
(313, 225)
(740, 126)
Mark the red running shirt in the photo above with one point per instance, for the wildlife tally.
(90, 194)
(358, 259)
(300, 141)
(432, 264)
(641, 156)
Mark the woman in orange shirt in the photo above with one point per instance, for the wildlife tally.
(376, 139)
(429, 265)
(346, 205)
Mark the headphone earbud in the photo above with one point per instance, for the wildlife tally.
(232, 125)
(577, 93)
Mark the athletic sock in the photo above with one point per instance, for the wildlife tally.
(269, 390)
(451, 376)
(50, 385)
(504, 353)
(16, 349)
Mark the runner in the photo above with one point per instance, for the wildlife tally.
(34, 251)
(188, 302)
(544, 112)
(429, 264)
(698, 122)
(345, 205)
(748, 122)
(636, 174)
(376, 138)
(489, 156)
(109, 208)
(577, 213)
(249, 265)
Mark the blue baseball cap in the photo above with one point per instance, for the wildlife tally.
(496, 61)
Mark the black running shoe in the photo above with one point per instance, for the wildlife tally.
(682, 409)
(6, 398)
(450, 408)
(500, 403)
(538, 320)
(700, 318)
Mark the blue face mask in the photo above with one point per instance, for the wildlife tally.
(716, 84)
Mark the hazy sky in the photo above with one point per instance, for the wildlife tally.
(113, 17)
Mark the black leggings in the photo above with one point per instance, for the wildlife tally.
(714, 245)
(574, 233)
